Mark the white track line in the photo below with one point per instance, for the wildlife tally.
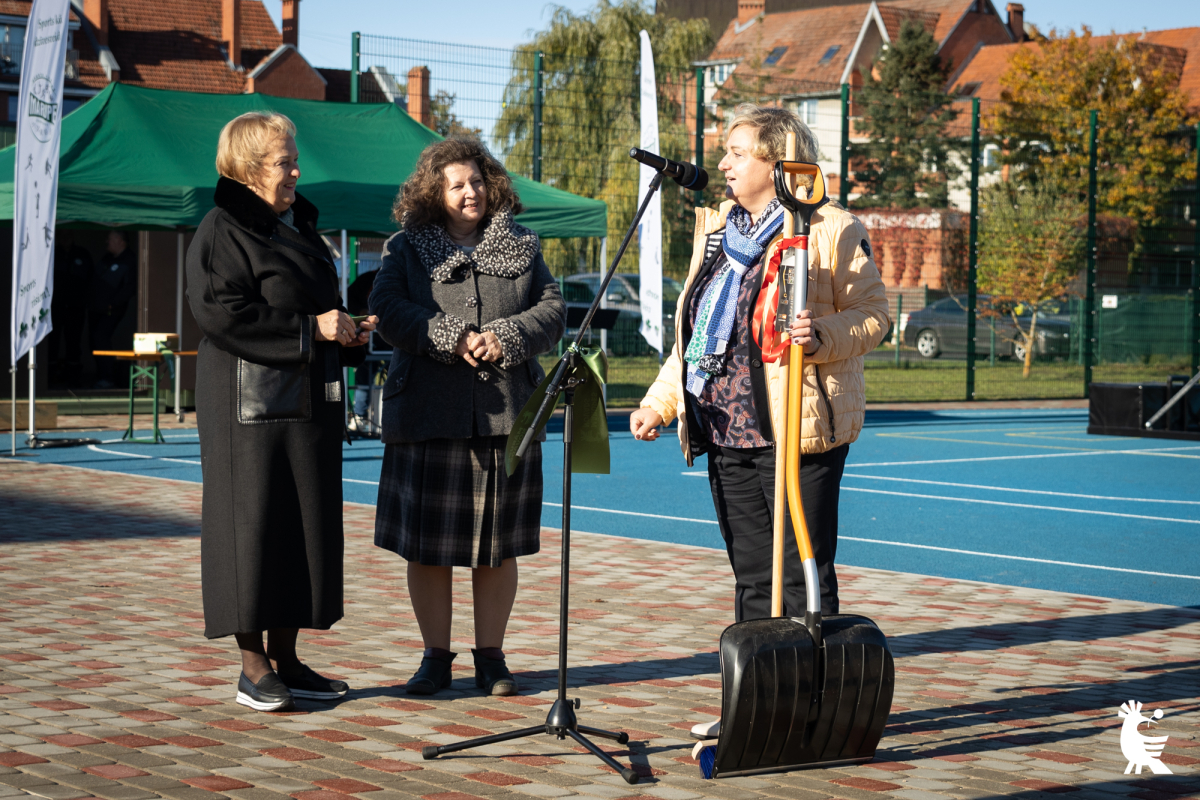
(1147, 452)
(96, 449)
(1021, 558)
(1022, 491)
(632, 513)
(1021, 505)
(353, 480)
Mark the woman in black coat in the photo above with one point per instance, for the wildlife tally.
(467, 301)
(269, 405)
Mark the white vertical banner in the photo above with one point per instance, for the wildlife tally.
(35, 182)
(650, 230)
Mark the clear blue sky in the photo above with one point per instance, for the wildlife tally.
(325, 25)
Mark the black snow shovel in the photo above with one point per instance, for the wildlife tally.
(811, 692)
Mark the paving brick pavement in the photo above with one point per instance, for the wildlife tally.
(108, 688)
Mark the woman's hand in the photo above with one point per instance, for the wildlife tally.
(487, 347)
(465, 347)
(644, 423)
(364, 331)
(335, 326)
(803, 333)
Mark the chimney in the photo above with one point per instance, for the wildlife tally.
(96, 12)
(291, 23)
(748, 10)
(231, 30)
(418, 96)
(1016, 21)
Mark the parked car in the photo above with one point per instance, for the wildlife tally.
(942, 328)
(624, 339)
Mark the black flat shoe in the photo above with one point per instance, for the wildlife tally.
(269, 694)
(492, 675)
(433, 676)
(307, 683)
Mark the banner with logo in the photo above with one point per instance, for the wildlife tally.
(650, 230)
(35, 182)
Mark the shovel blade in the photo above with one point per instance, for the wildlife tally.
(789, 704)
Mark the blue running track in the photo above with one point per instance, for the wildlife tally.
(1023, 498)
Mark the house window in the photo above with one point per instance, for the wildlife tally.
(717, 73)
(829, 54)
(773, 57)
(12, 48)
(12, 108)
(807, 111)
(991, 156)
(968, 89)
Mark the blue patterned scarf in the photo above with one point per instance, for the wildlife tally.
(744, 244)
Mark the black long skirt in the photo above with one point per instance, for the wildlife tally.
(449, 503)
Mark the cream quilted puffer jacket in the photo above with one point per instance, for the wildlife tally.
(846, 296)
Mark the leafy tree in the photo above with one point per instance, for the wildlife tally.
(906, 114)
(590, 116)
(1047, 93)
(1032, 242)
(445, 121)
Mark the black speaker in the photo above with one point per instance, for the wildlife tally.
(1122, 409)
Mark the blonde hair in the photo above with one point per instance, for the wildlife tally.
(246, 141)
(772, 126)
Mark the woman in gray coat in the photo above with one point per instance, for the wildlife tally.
(467, 302)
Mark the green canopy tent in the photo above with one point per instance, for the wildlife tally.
(144, 158)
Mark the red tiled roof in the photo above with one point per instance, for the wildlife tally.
(808, 34)
(1178, 50)
(176, 44)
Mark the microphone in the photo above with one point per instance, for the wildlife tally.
(689, 176)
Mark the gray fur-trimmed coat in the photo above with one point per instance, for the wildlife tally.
(427, 293)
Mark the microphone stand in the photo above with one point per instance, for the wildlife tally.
(561, 720)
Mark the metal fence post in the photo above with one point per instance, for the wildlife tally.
(1196, 265)
(355, 50)
(1089, 309)
(537, 117)
(899, 316)
(700, 127)
(972, 249)
(844, 182)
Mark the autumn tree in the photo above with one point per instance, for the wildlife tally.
(1046, 95)
(906, 111)
(590, 116)
(445, 121)
(1031, 246)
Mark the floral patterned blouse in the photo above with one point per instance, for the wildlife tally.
(725, 407)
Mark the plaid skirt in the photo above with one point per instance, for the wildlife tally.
(449, 503)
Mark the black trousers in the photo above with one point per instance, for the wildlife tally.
(743, 490)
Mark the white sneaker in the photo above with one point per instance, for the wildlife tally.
(706, 730)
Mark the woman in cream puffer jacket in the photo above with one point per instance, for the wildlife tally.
(730, 413)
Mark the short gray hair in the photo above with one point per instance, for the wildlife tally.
(772, 125)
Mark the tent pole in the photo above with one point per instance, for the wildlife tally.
(178, 321)
(343, 273)
(32, 440)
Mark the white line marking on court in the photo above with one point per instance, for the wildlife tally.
(694, 474)
(1147, 452)
(355, 480)
(141, 455)
(632, 513)
(1021, 558)
(1022, 505)
(1023, 491)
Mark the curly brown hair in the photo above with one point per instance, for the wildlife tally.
(422, 198)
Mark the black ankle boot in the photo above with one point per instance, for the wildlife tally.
(492, 675)
(432, 677)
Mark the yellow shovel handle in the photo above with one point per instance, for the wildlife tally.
(795, 397)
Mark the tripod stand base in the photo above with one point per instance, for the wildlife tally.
(560, 722)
